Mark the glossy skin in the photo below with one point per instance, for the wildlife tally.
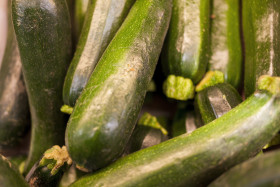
(14, 109)
(105, 114)
(261, 37)
(198, 158)
(215, 101)
(102, 21)
(261, 171)
(9, 175)
(226, 52)
(44, 39)
(186, 49)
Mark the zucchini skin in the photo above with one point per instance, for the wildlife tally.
(9, 175)
(44, 39)
(215, 101)
(226, 51)
(105, 114)
(186, 49)
(14, 109)
(261, 30)
(79, 16)
(198, 158)
(260, 171)
(102, 21)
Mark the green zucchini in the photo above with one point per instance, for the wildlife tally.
(260, 171)
(226, 51)
(198, 158)
(43, 33)
(105, 114)
(9, 175)
(143, 137)
(14, 109)
(261, 30)
(49, 170)
(186, 49)
(79, 16)
(102, 21)
(215, 101)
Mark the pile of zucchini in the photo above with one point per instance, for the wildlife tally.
(140, 93)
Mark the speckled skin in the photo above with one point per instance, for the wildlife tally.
(261, 30)
(261, 171)
(213, 102)
(198, 158)
(226, 52)
(9, 175)
(44, 38)
(186, 49)
(14, 109)
(105, 114)
(102, 21)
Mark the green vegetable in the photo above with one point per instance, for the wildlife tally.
(14, 109)
(105, 114)
(178, 88)
(79, 16)
(261, 30)
(9, 175)
(215, 101)
(44, 39)
(49, 170)
(151, 121)
(211, 78)
(102, 21)
(198, 158)
(226, 52)
(260, 171)
(186, 49)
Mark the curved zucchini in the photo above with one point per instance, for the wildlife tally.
(44, 39)
(215, 101)
(79, 16)
(14, 109)
(260, 171)
(226, 52)
(261, 30)
(9, 175)
(198, 158)
(105, 114)
(186, 49)
(102, 21)
(49, 170)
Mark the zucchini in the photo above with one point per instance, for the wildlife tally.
(105, 114)
(186, 49)
(260, 171)
(9, 175)
(261, 30)
(14, 109)
(215, 101)
(44, 39)
(102, 21)
(198, 158)
(79, 16)
(49, 170)
(226, 51)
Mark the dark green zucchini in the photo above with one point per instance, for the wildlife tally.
(198, 158)
(143, 137)
(186, 49)
(213, 102)
(260, 171)
(226, 52)
(261, 30)
(9, 175)
(44, 39)
(102, 21)
(14, 109)
(49, 170)
(79, 16)
(105, 114)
